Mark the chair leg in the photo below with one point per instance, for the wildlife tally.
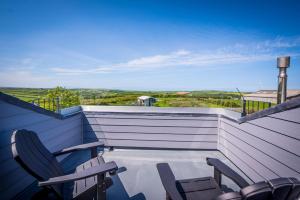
(101, 188)
(218, 177)
(168, 197)
(94, 152)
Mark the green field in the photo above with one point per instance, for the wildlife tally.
(120, 97)
(212, 99)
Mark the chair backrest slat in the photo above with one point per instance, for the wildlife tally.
(281, 188)
(295, 192)
(35, 158)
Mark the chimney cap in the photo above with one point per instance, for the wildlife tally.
(283, 62)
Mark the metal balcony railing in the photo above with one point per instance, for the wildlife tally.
(250, 106)
(53, 104)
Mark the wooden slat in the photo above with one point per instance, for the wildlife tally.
(82, 186)
(91, 181)
(79, 185)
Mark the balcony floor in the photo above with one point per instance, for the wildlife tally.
(141, 179)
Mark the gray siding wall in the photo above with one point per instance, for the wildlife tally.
(264, 148)
(13, 178)
(159, 130)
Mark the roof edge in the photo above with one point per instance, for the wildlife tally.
(23, 104)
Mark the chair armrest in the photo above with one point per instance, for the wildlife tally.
(229, 196)
(168, 180)
(92, 171)
(222, 168)
(78, 148)
(260, 190)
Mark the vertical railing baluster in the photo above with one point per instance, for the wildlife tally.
(258, 106)
(248, 107)
(57, 105)
(244, 108)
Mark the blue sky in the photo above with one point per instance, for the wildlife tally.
(148, 45)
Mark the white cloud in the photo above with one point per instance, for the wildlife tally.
(152, 60)
(67, 71)
(237, 53)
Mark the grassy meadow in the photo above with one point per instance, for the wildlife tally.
(212, 99)
(129, 98)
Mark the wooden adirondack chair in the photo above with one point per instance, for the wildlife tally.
(210, 188)
(89, 179)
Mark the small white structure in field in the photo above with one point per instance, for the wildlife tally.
(146, 101)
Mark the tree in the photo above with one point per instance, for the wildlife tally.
(67, 98)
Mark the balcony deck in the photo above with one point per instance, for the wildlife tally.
(141, 176)
(140, 179)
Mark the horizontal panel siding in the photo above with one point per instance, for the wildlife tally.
(47, 128)
(273, 167)
(283, 127)
(54, 133)
(150, 117)
(153, 131)
(263, 148)
(160, 144)
(139, 129)
(11, 110)
(157, 123)
(272, 150)
(291, 115)
(241, 152)
(247, 169)
(150, 137)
